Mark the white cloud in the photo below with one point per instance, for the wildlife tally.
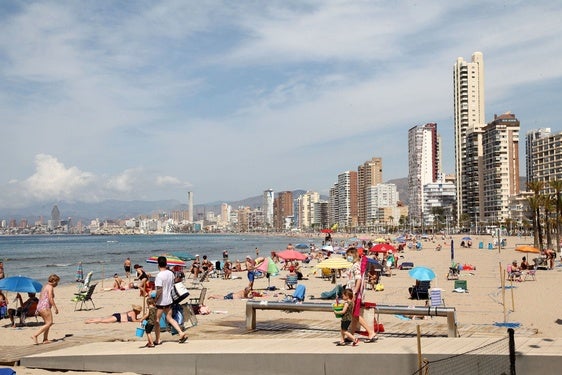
(53, 181)
(230, 96)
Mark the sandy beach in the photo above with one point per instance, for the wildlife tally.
(534, 304)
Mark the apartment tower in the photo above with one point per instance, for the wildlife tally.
(423, 165)
(501, 165)
(282, 210)
(533, 135)
(368, 175)
(469, 113)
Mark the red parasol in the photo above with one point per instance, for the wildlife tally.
(289, 254)
(382, 248)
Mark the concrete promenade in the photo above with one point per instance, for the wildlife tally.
(284, 356)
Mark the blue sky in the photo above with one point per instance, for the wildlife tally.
(150, 99)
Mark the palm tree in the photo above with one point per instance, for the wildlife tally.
(547, 204)
(535, 205)
(557, 187)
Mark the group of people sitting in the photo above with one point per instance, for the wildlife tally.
(25, 309)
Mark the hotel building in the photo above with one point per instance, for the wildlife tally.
(469, 113)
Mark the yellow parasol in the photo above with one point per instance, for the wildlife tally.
(334, 263)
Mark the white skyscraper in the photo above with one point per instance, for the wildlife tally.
(469, 113)
(190, 206)
(267, 207)
(423, 165)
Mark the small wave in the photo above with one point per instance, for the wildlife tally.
(59, 265)
(111, 241)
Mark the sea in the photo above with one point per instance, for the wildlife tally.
(42, 255)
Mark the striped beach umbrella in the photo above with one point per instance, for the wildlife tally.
(171, 260)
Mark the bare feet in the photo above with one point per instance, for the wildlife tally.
(47, 341)
(34, 338)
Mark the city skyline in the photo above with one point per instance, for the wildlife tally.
(150, 100)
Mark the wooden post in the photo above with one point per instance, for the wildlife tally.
(512, 297)
(419, 347)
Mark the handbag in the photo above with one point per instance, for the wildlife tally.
(179, 292)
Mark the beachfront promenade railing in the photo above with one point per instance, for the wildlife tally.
(448, 312)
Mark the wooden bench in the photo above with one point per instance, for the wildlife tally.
(448, 312)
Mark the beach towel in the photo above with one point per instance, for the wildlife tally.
(333, 294)
(300, 291)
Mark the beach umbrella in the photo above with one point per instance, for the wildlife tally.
(334, 263)
(527, 249)
(466, 239)
(354, 239)
(184, 256)
(452, 250)
(400, 239)
(329, 248)
(422, 273)
(171, 260)
(301, 246)
(380, 239)
(382, 248)
(327, 230)
(375, 264)
(268, 266)
(20, 284)
(289, 254)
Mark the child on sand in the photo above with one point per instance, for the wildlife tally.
(346, 318)
(150, 318)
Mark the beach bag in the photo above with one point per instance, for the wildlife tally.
(179, 292)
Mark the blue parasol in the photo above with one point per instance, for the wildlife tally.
(301, 246)
(20, 284)
(422, 273)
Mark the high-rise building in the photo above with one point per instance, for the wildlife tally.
(469, 112)
(531, 136)
(423, 165)
(546, 157)
(368, 175)
(190, 206)
(347, 200)
(305, 204)
(282, 209)
(267, 207)
(380, 196)
(501, 165)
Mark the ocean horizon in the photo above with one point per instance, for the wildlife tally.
(38, 256)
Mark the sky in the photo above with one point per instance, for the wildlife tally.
(150, 99)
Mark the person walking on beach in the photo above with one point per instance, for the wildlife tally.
(355, 283)
(164, 283)
(46, 302)
(250, 268)
(127, 267)
(150, 318)
(2, 275)
(346, 318)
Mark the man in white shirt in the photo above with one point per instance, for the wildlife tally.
(164, 283)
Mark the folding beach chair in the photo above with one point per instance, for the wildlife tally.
(420, 291)
(291, 281)
(83, 298)
(461, 286)
(435, 298)
(83, 287)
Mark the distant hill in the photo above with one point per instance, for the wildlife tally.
(115, 209)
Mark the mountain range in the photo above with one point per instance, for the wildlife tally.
(116, 209)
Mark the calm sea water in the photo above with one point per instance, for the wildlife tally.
(40, 256)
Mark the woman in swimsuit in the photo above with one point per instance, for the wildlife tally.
(129, 316)
(143, 278)
(46, 302)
